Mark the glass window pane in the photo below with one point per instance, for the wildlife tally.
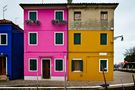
(3, 39)
(59, 65)
(59, 38)
(77, 16)
(103, 39)
(33, 16)
(77, 65)
(59, 16)
(33, 38)
(77, 38)
(33, 64)
(103, 65)
(104, 15)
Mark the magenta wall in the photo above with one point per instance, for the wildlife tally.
(45, 32)
(40, 56)
(46, 47)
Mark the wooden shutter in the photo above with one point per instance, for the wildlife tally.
(33, 38)
(59, 16)
(77, 38)
(103, 39)
(33, 64)
(33, 16)
(73, 65)
(81, 65)
(59, 65)
(59, 38)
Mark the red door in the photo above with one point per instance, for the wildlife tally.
(2, 65)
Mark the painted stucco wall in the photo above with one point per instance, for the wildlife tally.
(90, 49)
(90, 18)
(45, 32)
(46, 47)
(91, 67)
(13, 51)
(90, 41)
(39, 57)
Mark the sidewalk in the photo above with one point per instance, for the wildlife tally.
(118, 76)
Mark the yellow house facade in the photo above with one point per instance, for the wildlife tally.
(90, 41)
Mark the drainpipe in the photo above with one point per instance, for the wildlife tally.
(37, 79)
(65, 87)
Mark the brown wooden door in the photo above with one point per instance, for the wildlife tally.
(46, 69)
(2, 65)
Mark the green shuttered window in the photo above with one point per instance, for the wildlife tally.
(103, 39)
(58, 38)
(77, 65)
(33, 64)
(103, 65)
(59, 65)
(59, 15)
(3, 39)
(33, 38)
(33, 16)
(77, 38)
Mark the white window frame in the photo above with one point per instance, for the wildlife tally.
(76, 60)
(6, 39)
(55, 38)
(32, 11)
(107, 65)
(29, 39)
(58, 11)
(107, 38)
(29, 65)
(55, 64)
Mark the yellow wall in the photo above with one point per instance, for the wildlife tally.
(90, 26)
(90, 67)
(89, 51)
(90, 41)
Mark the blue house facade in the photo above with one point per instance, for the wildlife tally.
(11, 50)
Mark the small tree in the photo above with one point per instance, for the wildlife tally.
(130, 55)
(69, 1)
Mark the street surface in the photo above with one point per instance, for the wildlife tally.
(119, 78)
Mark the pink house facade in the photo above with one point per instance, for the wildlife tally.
(45, 41)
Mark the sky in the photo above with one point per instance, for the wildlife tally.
(124, 20)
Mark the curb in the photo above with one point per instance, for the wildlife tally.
(73, 87)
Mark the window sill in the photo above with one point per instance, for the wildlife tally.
(59, 44)
(104, 71)
(59, 71)
(76, 71)
(33, 44)
(3, 44)
(33, 70)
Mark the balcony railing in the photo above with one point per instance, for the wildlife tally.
(59, 22)
(31, 22)
(92, 25)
